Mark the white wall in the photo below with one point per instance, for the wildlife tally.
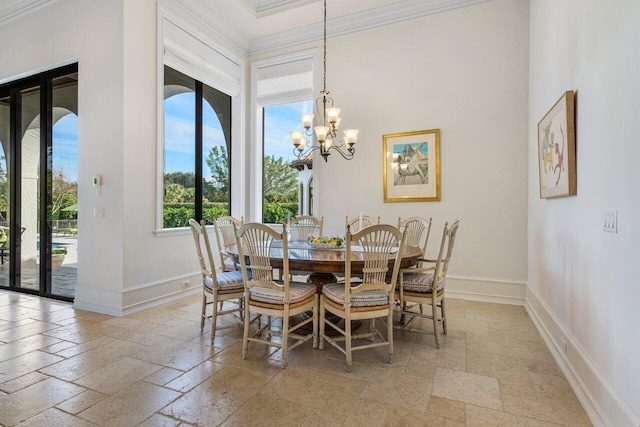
(582, 281)
(89, 33)
(155, 265)
(466, 73)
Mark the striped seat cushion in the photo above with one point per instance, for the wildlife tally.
(230, 265)
(335, 292)
(420, 282)
(227, 281)
(297, 292)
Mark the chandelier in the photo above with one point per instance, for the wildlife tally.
(325, 131)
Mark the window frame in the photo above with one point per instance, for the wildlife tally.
(205, 69)
(257, 112)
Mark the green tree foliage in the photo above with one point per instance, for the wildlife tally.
(176, 193)
(64, 193)
(280, 191)
(185, 179)
(280, 181)
(218, 187)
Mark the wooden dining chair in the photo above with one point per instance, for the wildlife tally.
(425, 285)
(265, 296)
(217, 287)
(304, 226)
(370, 299)
(418, 231)
(225, 237)
(357, 223)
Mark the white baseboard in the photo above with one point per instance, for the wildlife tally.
(486, 290)
(148, 295)
(98, 299)
(602, 402)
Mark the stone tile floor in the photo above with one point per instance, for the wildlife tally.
(64, 367)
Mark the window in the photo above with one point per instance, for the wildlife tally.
(283, 173)
(283, 90)
(197, 147)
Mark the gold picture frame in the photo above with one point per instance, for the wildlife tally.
(411, 166)
(557, 149)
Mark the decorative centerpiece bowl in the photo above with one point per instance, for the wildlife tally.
(326, 242)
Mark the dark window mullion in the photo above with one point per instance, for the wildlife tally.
(46, 164)
(199, 144)
(15, 185)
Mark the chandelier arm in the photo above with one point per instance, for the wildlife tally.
(329, 129)
(348, 155)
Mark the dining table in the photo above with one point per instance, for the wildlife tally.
(323, 264)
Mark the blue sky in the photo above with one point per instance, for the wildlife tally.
(279, 121)
(65, 146)
(180, 134)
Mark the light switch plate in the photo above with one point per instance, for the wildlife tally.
(610, 221)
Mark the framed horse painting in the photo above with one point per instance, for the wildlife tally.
(411, 166)
(557, 149)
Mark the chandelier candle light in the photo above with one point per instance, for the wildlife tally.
(326, 131)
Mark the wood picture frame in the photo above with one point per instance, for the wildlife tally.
(557, 149)
(411, 166)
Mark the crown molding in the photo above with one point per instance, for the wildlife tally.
(195, 11)
(369, 19)
(21, 8)
(262, 8)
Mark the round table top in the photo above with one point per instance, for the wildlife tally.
(303, 257)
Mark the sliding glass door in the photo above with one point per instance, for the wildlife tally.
(35, 189)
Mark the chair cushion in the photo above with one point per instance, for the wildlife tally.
(227, 280)
(229, 265)
(297, 292)
(420, 281)
(335, 292)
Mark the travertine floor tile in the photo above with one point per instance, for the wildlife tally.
(446, 408)
(118, 375)
(88, 362)
(163, 376)
(82, 401)
(402, 391)
(339, 394)
(60, 366)
(130, 406)
(549, 411)
(211, 402)
(21, 365)
(55, 417)
(176, 354)
(21, 382)
(483, 417)
(465, 387)
(265, 410)
(159, 420)
(322, 418)
(25, 345)
(36, 398)
(195, 376)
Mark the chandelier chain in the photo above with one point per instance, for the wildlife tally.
(324, 84)
(327, 121)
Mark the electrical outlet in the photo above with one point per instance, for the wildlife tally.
(564, 344)
(98, 212)
(186, 283)
(610, 221)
